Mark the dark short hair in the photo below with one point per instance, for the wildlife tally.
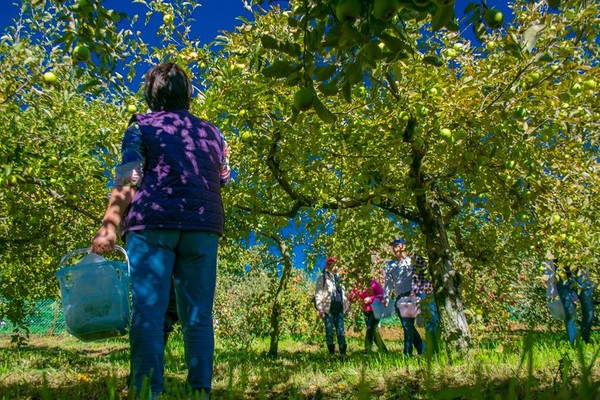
(167, 87)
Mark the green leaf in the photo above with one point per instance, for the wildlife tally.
(269, 42)
(354, 73)
(328, 89)
(347, 91)
(544, 57)
(279, 69)
(324, 72)
(553, 4)
(293, 79)
(479, 30)
(442, 17)
(393, 43)
(433, 60)
(472, 6)
(292, 49)
(371, 53)
(84, 88)
(326, 116)
(530, 36)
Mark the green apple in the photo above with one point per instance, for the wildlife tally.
(576, 88)
(493, 18)
(458, 46)
(449, 53)
(385, 10)
(419, 141)
(590, 84)
(237, 67)
(534, 75)
(348, 10)
(446, 133)
(404, 116)
(563, 236)
(304, 98)
(490, 45)
(168, 19)
(469, 156)
(49, 78)
(556, 218)
(81, 53)
(246, 136)
(132, 108)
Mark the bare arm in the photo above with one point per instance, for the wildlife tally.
(120, 199)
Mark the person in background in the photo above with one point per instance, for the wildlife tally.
(365, 296)
(573, 288)
(167, 201)
(405, 276)
(332, 304)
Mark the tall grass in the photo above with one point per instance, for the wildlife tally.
(531, 366)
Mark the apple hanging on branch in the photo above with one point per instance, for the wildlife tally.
(356, 35)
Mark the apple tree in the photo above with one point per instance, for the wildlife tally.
(478, 150)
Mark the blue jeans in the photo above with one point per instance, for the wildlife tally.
(334, 321)
(190, 258)
(567, 291)
(430, 313)
(412, 338)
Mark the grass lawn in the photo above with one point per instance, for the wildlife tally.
(536, 365)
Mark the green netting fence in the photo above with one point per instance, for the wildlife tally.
(47, 319)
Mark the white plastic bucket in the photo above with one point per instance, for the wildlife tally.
(95, 297)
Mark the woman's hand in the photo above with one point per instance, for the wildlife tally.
(104, 240)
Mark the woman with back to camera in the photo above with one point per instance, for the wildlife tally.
(167, 202)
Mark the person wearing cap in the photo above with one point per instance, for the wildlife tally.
(332, 304)
(405, 277)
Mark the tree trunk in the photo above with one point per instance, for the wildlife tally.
(277, 299)
(446, 280)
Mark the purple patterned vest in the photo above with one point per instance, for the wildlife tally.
(181, 188)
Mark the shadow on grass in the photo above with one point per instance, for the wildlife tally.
(98, 371)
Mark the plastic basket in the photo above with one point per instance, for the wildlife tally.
(380, 311)
(95, 297)
(556, 308)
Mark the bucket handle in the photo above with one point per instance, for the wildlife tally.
(88, 250)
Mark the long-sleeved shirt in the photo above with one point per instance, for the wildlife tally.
(406, 276)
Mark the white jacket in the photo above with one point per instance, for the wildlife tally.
(324, 292)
